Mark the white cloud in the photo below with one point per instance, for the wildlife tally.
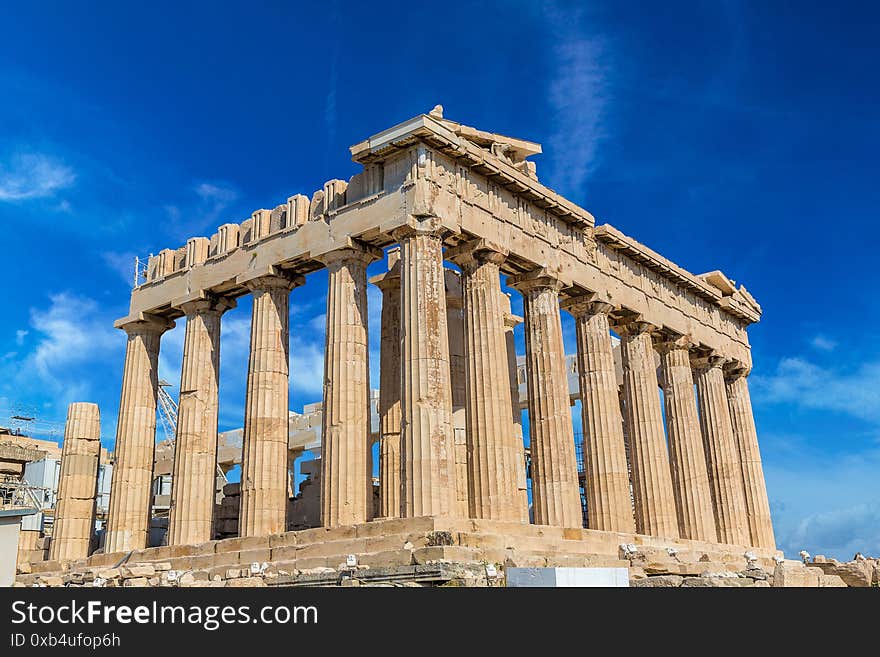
(578, 97)
(122, 263)
(202, 210)
(28, 176)
(802, 383)
(20, 335)
(823, 343)
(841, 532)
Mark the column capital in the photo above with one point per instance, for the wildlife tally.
(273, 281)
(148, 323)
(355, 252)
(712, 360)
(536, 279)
(426, 226)
(665, 343)
(511, 321)
(204, 303)
(734, 370)
(471, 254)
(586, 304)
(634, 325)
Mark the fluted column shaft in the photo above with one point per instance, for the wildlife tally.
(609, 507)
(346, 487)
(427, 444)
(555, 490)
(491, 458)
(722, 456)
(690, 479)
(389, 390)
(131, 487)
(194, 484)
(754, 486)
(77, 483)
(651, 476)
(510, 321)
(264, 449)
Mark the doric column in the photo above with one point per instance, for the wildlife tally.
(609, 507)
(346, 487)
(651, 476)
(755, 489)
(131, 487)
(690, 479)
(77, 483)
(457, 385)
(427, 443)
(194, 484)
(510, 322)
(722, 457)
(264, 448)
(491, 458)
(555, 491)
(389, 389)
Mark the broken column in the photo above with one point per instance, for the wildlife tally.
(131, 488)
(346, 486)
(77, 483)
(607, 486)
(651, 475)
(491, 457)
(427, 443)
(389, 388)
(264, 447)
(194, 482)
(754, 487)
(722, 456)
(555, 490)
(690, 479)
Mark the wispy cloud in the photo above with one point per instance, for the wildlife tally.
(26, 176)
(201, 210)
(20, 335)
(823, 343)
(122, 263)
(578, 98)
(804, 384)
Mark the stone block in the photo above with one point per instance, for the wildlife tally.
(445, 553)
(247, 557)
(831, 581)
(242, 544)
(657, 581)
(795, 574)
(136, 582)
(854, 573)
(140, 570)
(246, 582)
(714, 582)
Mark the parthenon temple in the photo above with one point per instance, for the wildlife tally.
(670, 450)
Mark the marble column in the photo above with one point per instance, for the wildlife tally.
(722, 457)
(510, 322)
(346, 486)
(651, 475)
(389, 388)
(194, 484)
(690, 479)
(77, 483)
(427, 448)
(457, 368)
(607, 491)
(746, 436)
(555, 490)
(491, 457)
(131, 487)
(264, 447)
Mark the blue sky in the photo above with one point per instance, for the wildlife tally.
(725, 135)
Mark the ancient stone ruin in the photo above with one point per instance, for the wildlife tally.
(673, 486)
